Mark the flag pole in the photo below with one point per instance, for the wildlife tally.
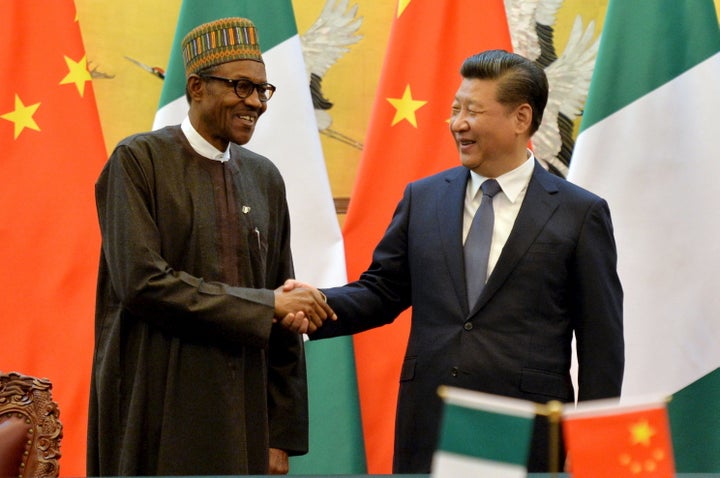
(553, 411)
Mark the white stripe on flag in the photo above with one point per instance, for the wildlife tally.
(658, 177)
(172, 113)
(451, 465)
(484, 401)
(287, 134)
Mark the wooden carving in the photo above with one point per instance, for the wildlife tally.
(30, 398)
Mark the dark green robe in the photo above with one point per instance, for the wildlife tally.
(190, 376)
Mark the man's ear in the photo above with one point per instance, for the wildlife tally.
(195, 87)
(523, 118)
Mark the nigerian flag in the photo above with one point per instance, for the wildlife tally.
(288, 135)
(648, 144)
(695, 424)
(483, 435)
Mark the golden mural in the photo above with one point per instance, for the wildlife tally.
(128, 44)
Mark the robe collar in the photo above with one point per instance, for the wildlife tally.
(201, 145)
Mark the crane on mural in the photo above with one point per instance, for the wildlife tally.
(323, 44)
(531, 30)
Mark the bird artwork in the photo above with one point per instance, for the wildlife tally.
(155, 70)
(531, 30)
(323, 44)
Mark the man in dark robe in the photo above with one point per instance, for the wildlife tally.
(198, 367)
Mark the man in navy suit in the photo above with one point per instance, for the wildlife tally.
(551, 271)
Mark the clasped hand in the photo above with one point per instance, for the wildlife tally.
(300, 307)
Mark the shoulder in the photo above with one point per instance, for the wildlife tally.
(568, 191)
(458, 173)
(142, 153)
(250, 160)
(243, 154)
(165, 137)
(151, 147)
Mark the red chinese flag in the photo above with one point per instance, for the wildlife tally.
(52, 152)
(632, 441)
(408, 138)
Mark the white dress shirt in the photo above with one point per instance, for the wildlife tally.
(201, 145)
(506, 204)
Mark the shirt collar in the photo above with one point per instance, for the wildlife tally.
(201, 145)
(512, 183)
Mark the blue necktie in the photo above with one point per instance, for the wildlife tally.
(477, 244)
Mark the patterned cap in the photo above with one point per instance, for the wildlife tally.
(220, 41)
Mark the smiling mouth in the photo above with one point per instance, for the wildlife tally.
(247, 118)
(464, 143)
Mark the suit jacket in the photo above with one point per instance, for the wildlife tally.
(556, 276)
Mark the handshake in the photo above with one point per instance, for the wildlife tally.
(300, 307)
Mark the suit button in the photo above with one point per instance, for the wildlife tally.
(468, 326)
(454, 372)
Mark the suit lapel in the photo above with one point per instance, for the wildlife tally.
(540, 202)
(450, 202)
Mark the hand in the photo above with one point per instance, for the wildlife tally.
(297, 323)
(291, 284)
(278, 462)
(294, 297)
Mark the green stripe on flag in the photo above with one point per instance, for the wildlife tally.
(651, 41)
(336, 438)
(484, 434)
(694, 415)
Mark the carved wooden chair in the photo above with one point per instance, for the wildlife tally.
(30, 431)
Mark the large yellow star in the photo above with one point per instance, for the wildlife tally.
(22, 116)
(78, 74)
(402, 5)
(405, 107)
(641, 432)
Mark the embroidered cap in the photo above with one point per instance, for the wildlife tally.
(220, 41)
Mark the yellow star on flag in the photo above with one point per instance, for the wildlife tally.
(402, 5)
(641, 432)
(405, 107)
(78, 74)
(22, 116)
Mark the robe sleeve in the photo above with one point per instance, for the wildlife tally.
(287, 375)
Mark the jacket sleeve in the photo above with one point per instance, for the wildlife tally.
(287, 375)
(598, 308)
(383, 291)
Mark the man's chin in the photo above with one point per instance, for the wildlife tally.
(469, 162)
(242, 138)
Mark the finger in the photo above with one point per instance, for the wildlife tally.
(326, 307)
(296, 323)
(323, 309)
(289, 285)
(330, 313)
(315, 320)
(302, 323)
(319, 304)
